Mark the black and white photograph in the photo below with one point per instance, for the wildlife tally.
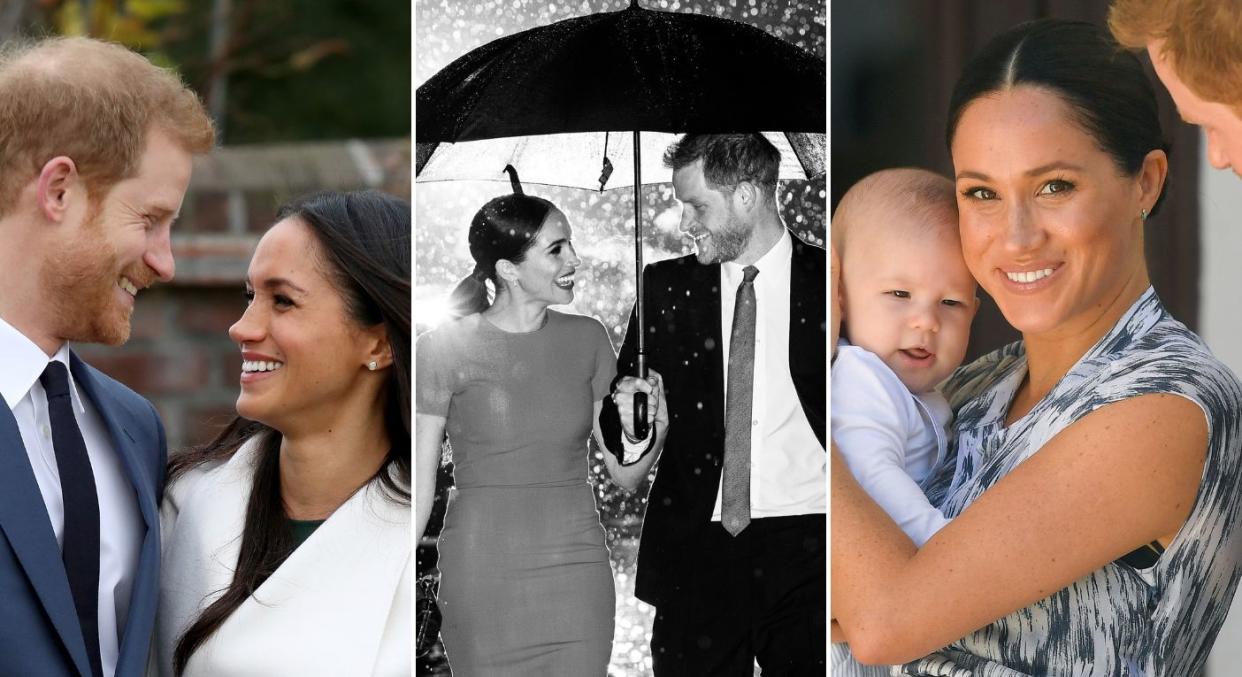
(617, 473)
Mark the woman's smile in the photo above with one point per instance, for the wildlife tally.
(1030, 279)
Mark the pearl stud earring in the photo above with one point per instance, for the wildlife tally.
(372, 365)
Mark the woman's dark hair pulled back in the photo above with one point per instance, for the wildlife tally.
(1103, 84)
(364, 241)
(505, 228)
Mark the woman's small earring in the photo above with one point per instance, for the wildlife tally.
(1143, 215)
(372, 365)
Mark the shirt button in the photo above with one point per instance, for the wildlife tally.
(47, 432)
(755, 423)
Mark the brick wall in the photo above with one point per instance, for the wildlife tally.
(179, 355)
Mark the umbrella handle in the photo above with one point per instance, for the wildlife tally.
(640, 400)
(640, 415)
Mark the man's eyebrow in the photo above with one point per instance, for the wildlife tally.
(163, 210)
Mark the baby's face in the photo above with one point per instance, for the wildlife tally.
(910, 300)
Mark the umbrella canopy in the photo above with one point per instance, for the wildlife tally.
(633, 69)
(576, 160)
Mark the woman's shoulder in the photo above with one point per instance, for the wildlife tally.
(448, 342)
(574, 320)
(450, 332)
(577, 325)
(1170, 358)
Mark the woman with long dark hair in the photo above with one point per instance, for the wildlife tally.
(286, 540)
(1092, 486)
(526, 587)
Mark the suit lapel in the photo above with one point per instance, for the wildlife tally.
(24, 520)
(145, 591)
(807, 333)
(116, 419)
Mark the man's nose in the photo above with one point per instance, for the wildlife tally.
(159, 257)
(687, 220)
(1216, 152)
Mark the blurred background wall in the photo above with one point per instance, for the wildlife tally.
(306, 96)
(892, 70)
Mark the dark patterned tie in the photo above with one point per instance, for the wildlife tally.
(77, 485)
(735, 495)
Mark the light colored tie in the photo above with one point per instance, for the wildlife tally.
(735, 495)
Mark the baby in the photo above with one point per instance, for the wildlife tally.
(906, 304)
(907, 301)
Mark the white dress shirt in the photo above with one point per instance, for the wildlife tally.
(788, 465)
(120, 523)
(890, 438)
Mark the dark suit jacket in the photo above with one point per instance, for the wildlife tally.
(684, 344)
(39, 630)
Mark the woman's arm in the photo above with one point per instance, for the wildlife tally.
(630, 477)
(428, 440)
(1122, 476)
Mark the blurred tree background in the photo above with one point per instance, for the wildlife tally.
(269, 70)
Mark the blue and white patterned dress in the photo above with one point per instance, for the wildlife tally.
(1117, 620)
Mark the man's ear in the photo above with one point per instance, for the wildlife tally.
(745, 196)
(58, 180)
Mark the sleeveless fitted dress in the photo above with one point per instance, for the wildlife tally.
(526, 587)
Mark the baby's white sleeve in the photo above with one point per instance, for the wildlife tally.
(873, 419)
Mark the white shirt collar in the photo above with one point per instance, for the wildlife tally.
(776, 259)
(22, 364)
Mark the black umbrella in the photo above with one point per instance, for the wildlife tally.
(634, 69)
(628, 71)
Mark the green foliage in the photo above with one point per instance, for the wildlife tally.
(297, 70)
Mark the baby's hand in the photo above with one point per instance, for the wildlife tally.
(835, 318)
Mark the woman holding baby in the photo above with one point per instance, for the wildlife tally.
(1090, 486)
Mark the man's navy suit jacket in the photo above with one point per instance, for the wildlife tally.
(39, 630)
